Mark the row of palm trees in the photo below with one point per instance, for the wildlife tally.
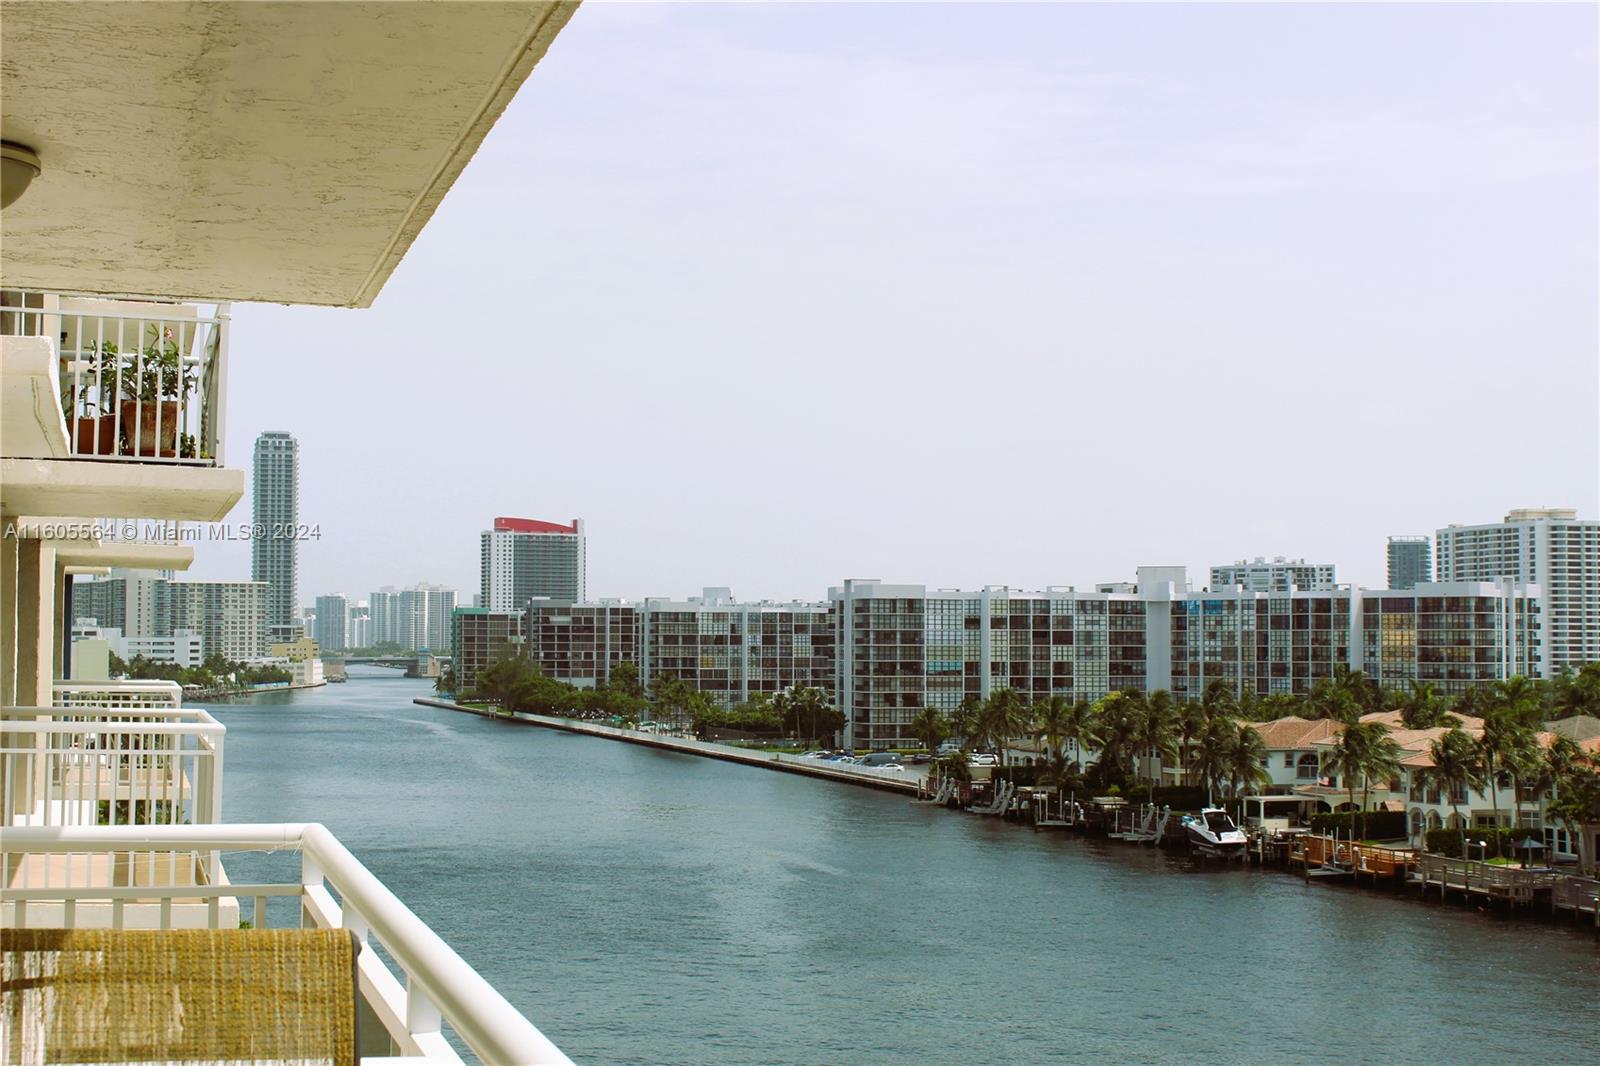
(1213, 740)
(1124, 727)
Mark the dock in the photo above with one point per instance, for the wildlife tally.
(905, 783)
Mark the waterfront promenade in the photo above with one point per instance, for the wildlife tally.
(906, 781)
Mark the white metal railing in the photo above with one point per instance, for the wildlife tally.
(433, 985)
(138, 381)
(87, 765)
(148, 693)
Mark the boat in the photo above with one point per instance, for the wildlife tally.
(1213, 834)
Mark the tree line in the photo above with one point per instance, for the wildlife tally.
(214, 672)
(1213, 738)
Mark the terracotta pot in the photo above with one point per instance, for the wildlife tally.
(139, 428)
(94, 434)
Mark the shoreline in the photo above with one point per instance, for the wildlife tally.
(904, 784)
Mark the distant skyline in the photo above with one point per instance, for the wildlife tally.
(1028, 295)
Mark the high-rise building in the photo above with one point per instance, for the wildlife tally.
(331, 629)
(135, 602)
(525, 557)
(358, 627)
(483, 637)
(733, 651)
(1549, 548)
(1275, 575)
(1410, 562)
(230, 616)
(417, 618)
(274, 545)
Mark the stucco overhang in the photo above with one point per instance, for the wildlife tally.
(68, 488)
(287, 152)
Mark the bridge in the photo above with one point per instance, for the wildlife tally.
(394, 662)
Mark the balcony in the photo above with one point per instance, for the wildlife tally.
(101, 763)
(114, 409)
(412, 986)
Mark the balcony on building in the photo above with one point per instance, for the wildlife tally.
(113, 408)
(285, 153)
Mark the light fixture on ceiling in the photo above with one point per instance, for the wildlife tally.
(19, 165)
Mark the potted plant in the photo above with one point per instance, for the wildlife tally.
(93, 431)
(154, 384)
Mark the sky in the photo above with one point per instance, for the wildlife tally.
(959, 296)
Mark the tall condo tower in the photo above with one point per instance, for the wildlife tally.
(1410, 562)
(525, 557)
(273, 547)
(1549, 547)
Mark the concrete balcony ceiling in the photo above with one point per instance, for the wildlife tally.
(278, 152)
(71, 488)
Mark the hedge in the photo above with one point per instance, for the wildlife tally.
(1448, 841)
(1375, 825)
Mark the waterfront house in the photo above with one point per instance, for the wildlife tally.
(161, 161)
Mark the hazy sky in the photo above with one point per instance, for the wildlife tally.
(954, 295)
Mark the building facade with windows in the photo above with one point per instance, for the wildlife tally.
(1453, 635)
(1274, 575)
(332, 626)
(137, 603)
(229, 616)
(1410, 561)
(481, 638)
(275, 500)
(581, 643)
(901, 648)
(524, 558)
(1551, 548)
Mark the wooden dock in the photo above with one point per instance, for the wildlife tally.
(1515, 887)
(1378, 862)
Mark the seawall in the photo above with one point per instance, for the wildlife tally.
(905, 783)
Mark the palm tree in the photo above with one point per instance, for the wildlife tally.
(1005, 716)
(964, 722)
(929, 727)
(1081, 728)
(1218, 700)
(1345, 758)
(1155, 731)
(1246, 758)
(1498, 746)
(1422, 708)
(1191, 724)
(808, 702)
(1050, 726)
(1116, 716)
(445, 683)
(1381, 761)
(1211, 755)
(1455, 769)
(1521, 699)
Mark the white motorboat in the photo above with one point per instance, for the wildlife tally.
(1213, 833)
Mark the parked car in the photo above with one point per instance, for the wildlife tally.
(890, 767)
(880, 758)
(949, 747)
(983, 758)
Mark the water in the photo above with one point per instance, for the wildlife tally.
(647, 907)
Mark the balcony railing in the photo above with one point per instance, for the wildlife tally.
(104, 694)
(428, 986)
(86, 765)
(140, 382)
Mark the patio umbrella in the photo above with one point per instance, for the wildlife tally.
(1530, 844)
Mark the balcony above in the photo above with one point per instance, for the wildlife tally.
(285, 153)
(113, 409)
